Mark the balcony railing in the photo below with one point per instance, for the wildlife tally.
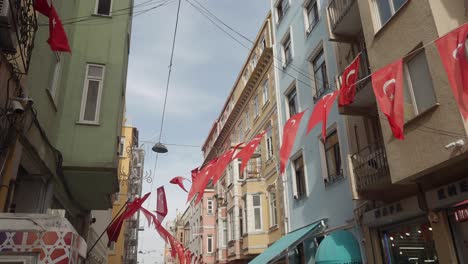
(370, 165)
(18, 26)
(337, 11)
(253, 168)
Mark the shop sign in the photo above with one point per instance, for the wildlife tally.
(397, 211)
(461, 215)
(446, 196)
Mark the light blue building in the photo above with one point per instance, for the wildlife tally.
(319, 214)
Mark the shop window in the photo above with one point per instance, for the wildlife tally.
(408, 242)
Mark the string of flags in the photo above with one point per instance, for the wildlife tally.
(387, 84)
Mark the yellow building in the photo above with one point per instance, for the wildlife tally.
(130, 163)
(249, 213)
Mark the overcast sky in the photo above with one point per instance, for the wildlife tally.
(206, 64)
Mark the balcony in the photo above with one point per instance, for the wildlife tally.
(344, 17)
(52, 238)
(364, 97)
(370, 168)
(18, 26)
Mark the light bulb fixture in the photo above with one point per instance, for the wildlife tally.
(159, 148)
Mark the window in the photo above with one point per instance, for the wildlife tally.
(231, 225)
(273, 216)
(265, 92)
(104, 7)
(240, 129)
(311, 15)
(245, 223)
(299, 174)
(255, 105)
(281, 8)
(320, 74)
(269, 142)
(230, 173)
(257, 211)
(92, 90)
(241, 173)
(225, 233)
(209, 206)
(56, 75)
(333, 157)
(387, 8)
(419, 91)
(286, 49)
(247, 117)
(121, 147)
(292, 102)
(209, 244)
(241, 222)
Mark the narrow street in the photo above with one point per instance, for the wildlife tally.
(216, 131)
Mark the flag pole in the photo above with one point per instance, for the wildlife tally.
(103, 232)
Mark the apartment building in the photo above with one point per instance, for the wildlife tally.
(249, 212)
(413, 191)
(318, 194)
(58, 108)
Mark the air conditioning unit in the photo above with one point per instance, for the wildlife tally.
(7, 29)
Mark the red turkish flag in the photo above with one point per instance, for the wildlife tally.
(42, 7)
(348, 82)
(113, 231)
(161, 207)
(205, 175)
(200, 179)
(321, 112)
(58, 40)
(246, 153)
(387, 83)
(289, 136)
(179, 180)
(223, 162)
(452, 52)
(194, 180)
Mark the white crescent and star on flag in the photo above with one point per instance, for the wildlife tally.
(386, 86)
(456, 51)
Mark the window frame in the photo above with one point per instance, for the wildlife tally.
(269, 147)
(328, 181)
(260, 210)
(56, 77)
(209, 203)
(209, 242)
(310, 25)
(97, 7)
(231, 225)
(296, 194)
(287, 36)
(408, 84)
(273, 205)
(283, 10)
(292, 90)
(266, 91)
(376, 13)
(325, 84)
(121, 151)
(225, 233)
(256, 106)
(85, 94)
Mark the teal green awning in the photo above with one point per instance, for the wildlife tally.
(340, 247)
(284, 243)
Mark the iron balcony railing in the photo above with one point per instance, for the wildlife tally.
(337, 10)
(370, 165)
(18, 26)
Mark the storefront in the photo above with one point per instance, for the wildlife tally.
(401, 233)
(452, 199)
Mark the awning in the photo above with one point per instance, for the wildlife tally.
(284, 243)
(340, 247)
